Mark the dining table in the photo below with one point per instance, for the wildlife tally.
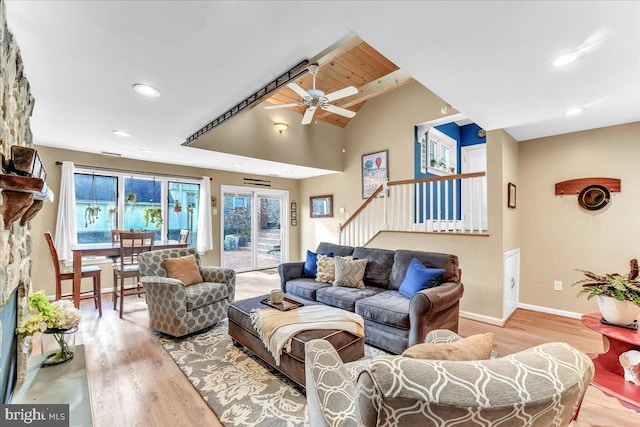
(105, 249)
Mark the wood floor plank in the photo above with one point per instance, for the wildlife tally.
(134, 382)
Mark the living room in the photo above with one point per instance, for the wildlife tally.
(549, 230)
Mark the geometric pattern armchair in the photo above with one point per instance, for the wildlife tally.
(176, 309)
(541, 386)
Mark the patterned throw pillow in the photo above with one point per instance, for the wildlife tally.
(326, 268)
(349, 273)
(475, 347)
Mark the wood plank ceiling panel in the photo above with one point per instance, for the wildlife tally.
(357, 66)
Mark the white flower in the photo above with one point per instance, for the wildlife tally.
(68, 315)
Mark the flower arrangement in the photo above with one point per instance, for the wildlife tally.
(624, 287)
(55, 318)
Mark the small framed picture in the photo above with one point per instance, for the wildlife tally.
(321, 206)
(511, 195)
(294, 221)
(294, 214)
(375, 171)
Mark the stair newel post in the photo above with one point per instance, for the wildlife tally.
(340, 234)
(385, 210)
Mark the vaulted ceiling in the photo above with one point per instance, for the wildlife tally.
(490, 60)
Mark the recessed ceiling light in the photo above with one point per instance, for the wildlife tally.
(237, 165)
(144, 150)
(120, 133)
(573, 111)
(146, 90)
(566, 59)
(110, 154)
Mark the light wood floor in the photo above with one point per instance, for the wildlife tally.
(134, 382)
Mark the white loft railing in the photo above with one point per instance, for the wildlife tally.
(444, 204)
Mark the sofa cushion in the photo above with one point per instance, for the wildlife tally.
(338, 250)
(388, 307)
(310, 269)
(419, 277)
(349, 273)
(344, 298)
(327, 268)
(205, 293)
(475, 347)
(379, 264)
(305, 288)
(403, 258)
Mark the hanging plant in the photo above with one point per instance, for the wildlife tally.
(92, 211)
(152, 216)
(132, 197)
(177, 207)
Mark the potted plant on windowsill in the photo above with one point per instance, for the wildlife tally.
(618, 295)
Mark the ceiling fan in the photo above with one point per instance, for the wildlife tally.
(315, 98)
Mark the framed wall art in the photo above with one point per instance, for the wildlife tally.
(321, 206)
(375, 171)
(511, 195)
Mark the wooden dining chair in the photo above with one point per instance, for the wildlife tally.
(92, 271)
(131, 244)
(183, 237)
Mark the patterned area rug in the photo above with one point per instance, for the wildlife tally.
(240, 388)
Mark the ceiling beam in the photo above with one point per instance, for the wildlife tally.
(372, 89)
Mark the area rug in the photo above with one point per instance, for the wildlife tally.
(240, 388)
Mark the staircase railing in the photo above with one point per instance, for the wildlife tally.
(444, 204)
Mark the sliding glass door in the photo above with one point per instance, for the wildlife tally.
(253, 227)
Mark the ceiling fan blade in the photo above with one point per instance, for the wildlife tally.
(308, 115)
(273, 107)
(338, 110)
(299, 90)
(342, 93)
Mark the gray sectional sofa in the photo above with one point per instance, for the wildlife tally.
(392, 321)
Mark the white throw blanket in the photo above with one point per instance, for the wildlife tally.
(276, 328)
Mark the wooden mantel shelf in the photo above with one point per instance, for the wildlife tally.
(23, 197)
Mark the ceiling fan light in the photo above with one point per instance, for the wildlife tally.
(281, 126)
(565, 59)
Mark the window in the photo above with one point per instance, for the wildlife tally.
(96, 207)
(112, 201)
(438, 154)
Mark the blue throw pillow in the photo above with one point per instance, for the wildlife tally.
(419, 277)
(310, 269)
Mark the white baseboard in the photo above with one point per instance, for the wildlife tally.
(548, 310)
(481, 318)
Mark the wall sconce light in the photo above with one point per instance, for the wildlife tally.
(281, 127)
(445, 108)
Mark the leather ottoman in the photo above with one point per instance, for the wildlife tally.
(350, 347)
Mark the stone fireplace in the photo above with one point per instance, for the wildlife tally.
(16, 106)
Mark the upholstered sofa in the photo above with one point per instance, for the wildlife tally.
(392, 321)
(176, 309)
(539, 387)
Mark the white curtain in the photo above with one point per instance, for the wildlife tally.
(205, 221)
(66, 235)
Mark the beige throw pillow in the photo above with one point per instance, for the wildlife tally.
(184, 269)
(349, 273)
(475, 347)
(326, 268)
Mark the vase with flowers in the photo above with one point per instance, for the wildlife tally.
(618, 295)
(58, 322)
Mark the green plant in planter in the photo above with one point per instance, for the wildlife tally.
(91, 215)
(624, 287)
(152, 216)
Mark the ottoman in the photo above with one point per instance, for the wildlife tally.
(350, 347)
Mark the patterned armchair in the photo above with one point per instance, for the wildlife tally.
(176, 309)
(541, 386)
